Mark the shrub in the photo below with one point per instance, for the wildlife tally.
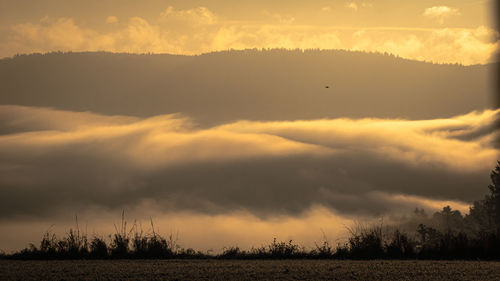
(98, 248)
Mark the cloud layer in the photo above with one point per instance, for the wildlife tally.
(53, 161)
(199, 30)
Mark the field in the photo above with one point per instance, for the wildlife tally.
(248, 270)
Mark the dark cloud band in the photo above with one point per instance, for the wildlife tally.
(49, 165)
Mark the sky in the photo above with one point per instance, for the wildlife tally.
(459, 31)
(240, 180)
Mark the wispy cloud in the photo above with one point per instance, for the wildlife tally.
(351, 5)
(200, 16)
(281, 19)
(111, 19)
(441, 13)
(355, 7)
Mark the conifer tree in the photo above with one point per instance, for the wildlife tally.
(495, 196)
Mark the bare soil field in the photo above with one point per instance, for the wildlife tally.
(248, 270)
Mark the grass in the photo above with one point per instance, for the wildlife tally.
(364, 243)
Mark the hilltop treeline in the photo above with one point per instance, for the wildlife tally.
(221, 87)
(446, 234)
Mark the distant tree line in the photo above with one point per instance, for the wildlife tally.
(240, 52)
(446, 234)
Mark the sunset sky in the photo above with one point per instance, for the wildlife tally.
(440, 31)
(240, 147)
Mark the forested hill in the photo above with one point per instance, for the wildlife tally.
(256, 85)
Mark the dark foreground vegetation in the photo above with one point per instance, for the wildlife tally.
(445, 235)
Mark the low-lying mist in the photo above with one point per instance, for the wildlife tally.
(242, 182)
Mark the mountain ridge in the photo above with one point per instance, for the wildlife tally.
(225, 86)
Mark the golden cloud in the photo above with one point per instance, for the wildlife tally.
(199, 30)
(341, 164)
(441, 13)
(111, 19)
(198, 16)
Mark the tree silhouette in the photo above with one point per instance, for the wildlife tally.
(495, 196)
(449, 219)
(484, 215)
